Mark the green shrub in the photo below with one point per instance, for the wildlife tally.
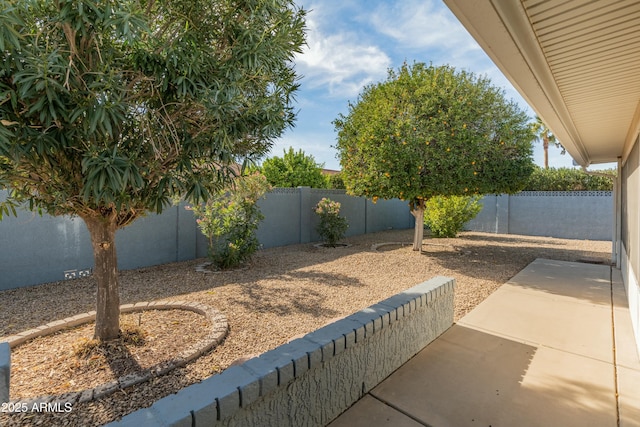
(332, 226)
(294, 169)
(230, 219)
(336, 182)
(567, 179)
(446, 215)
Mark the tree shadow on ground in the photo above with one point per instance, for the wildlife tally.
(501, 262)
(289, 263)
(509, 238)
(76, 296)
(120, 360)
(503, 256)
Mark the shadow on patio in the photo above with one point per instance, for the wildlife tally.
(538, 351)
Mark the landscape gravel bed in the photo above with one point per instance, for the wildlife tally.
(283, 292)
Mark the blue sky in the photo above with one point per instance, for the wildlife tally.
(354, 42)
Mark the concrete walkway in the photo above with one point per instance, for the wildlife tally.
(552, 347)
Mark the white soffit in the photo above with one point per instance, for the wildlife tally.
(576, 62)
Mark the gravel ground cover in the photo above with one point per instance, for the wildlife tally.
(284, 292)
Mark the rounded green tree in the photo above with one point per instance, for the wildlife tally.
(431, 130)
(293, 169)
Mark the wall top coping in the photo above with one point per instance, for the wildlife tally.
(284, 190)
(5, 354)
(238, 386)
(564, 193)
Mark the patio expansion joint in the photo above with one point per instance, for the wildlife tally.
(613, 347)
(522, 288)
(396, 408)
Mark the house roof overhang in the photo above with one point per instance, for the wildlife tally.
(576, 63)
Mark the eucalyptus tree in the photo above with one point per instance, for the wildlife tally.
(111, 109)
(433, 131)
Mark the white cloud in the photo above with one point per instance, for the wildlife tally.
(312, 143)
(339, 61)
(420, 24)
(427, 29)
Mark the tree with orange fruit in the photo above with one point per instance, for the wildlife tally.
(431, 130)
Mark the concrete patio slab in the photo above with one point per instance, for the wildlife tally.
(473, 378)
(377, 412)
(584, 283)
(538, 317)
(538, 352)
(629, 400)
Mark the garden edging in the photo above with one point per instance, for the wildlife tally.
(217, 332)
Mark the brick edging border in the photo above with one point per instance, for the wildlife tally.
(217, 332)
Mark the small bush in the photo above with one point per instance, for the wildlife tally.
(336, 182)
(332, 226)
(446, 216)
(230, 220)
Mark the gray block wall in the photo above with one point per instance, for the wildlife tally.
(5, 371)
(38, 249)
(586, 215)
(312, 380)
(569, 215)
(290, 217)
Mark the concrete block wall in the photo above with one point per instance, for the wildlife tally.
(5, 371)
(311, 380)
(36, 249)
(289, 216)
(563, 214)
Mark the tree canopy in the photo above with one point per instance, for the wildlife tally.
(293, 169)
(111, 109)
(431, 130)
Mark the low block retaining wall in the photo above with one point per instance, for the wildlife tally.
(5, 371)
(311, 380)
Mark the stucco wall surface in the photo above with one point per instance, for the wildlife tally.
(312, 380)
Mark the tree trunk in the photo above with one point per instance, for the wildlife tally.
(417, 210)
(545, 145)
(103, 234)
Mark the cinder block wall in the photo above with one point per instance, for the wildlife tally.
(36, 249)
(312, 380)
(5, 371)
(562, 214)
(289, 216)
